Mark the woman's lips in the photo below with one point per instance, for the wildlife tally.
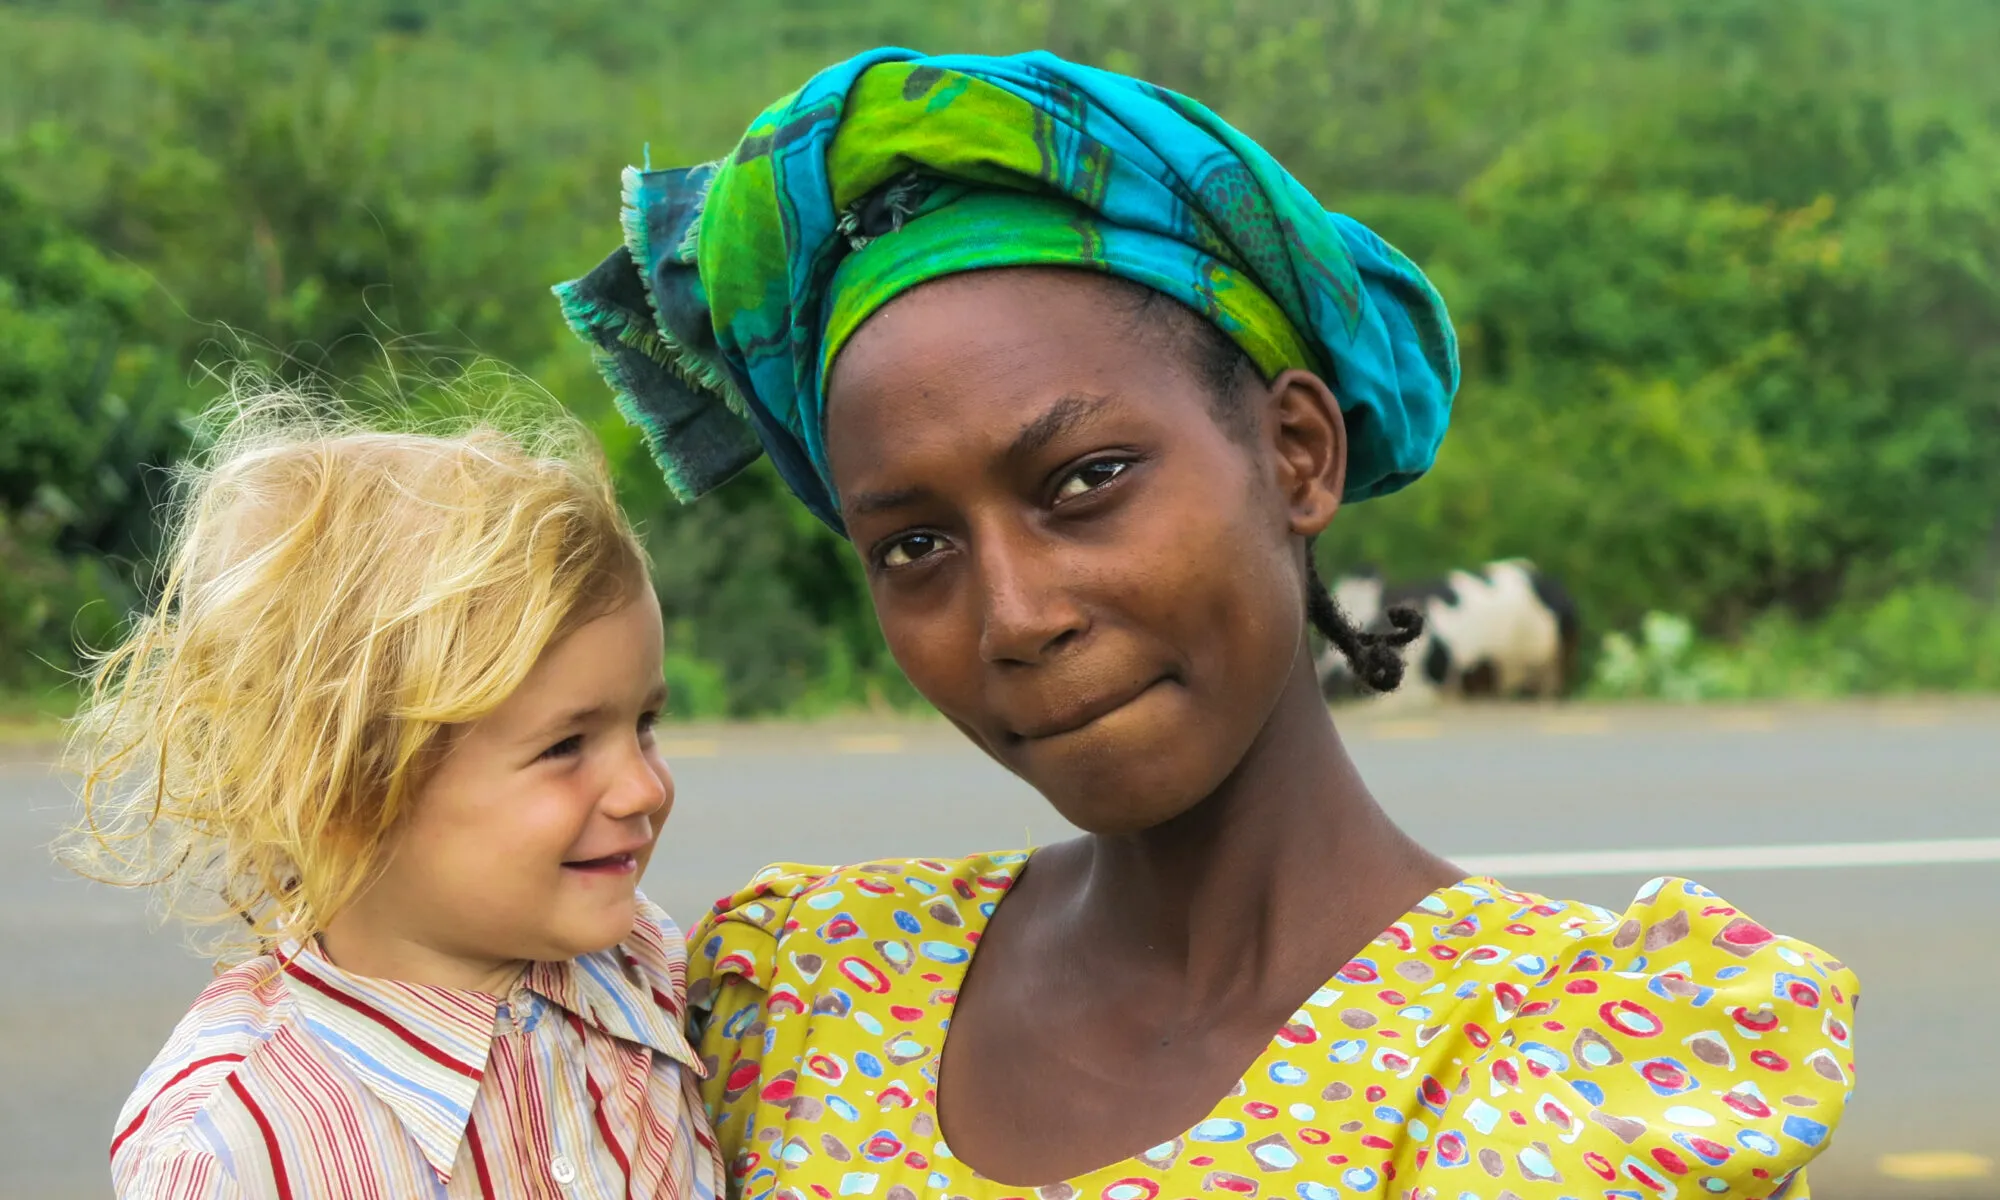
(610, 864)
(1083, 716)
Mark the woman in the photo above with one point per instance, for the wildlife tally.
(1081, 372)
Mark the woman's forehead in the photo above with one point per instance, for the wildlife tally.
(962, 330)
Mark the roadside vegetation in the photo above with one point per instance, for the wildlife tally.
(1726, 272)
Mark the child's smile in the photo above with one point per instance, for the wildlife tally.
(625, 862)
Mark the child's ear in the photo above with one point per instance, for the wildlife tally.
(1310, 438)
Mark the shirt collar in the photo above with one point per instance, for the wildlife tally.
(636, 990)
(423, 1050)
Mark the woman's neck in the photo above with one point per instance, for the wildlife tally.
(1290, 856)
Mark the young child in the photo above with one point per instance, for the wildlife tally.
(389, 731)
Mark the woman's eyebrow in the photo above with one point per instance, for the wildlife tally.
(869, 503)
(1064, 415)
(1068, 413)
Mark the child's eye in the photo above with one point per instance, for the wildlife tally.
(647, 722)
(563, 749)
(910, 548)
(1089, 477)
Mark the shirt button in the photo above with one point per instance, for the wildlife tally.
(563, 1169)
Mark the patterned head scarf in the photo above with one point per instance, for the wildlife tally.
(739, 281)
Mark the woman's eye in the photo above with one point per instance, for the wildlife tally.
(1089, 477)
(909, 548)
(563, 749)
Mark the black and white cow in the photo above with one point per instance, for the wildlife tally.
(1505, 630)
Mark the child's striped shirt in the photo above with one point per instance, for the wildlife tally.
(295, 1079)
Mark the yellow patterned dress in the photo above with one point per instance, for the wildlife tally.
(1492, 1045)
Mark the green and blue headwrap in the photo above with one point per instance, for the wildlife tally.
(739, 281)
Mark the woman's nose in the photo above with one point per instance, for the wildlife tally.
(1026, 608)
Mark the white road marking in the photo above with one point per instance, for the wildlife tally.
(1736, 858)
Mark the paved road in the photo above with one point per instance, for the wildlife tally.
(93, 990)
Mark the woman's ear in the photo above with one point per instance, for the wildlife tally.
(1311, 441)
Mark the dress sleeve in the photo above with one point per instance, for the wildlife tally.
(1677, 1047)
(732, 961)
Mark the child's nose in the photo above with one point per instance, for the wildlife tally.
(645, 786)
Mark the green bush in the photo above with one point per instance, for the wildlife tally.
(1724, 272)
(1922, 638)
(50, 603)
(1711, 403)
(88, 412)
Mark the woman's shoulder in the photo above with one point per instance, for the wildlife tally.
(1672, 927)
(1682, 940)
(1675, 1037)
(819, 908)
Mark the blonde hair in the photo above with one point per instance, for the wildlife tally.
(336, 597)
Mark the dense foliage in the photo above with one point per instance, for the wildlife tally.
(1727, 274)
(87, 403)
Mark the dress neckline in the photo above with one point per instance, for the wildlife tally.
(1307, 1027)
